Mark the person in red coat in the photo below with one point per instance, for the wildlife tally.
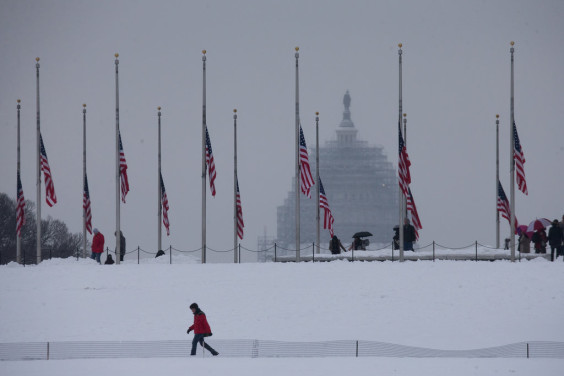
(97, 245)
(201, 330)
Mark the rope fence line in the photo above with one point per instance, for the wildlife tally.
(322, 253)
(249, 348)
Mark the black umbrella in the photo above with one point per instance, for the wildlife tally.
(362, 234)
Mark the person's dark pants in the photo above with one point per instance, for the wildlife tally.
(408, 246)
(95, 256)
(121, 256)
(200, 338)
(552, 249)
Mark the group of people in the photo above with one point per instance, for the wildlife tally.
(555, 239)
(98, 247)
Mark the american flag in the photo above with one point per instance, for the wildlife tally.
(327, 216)
(414, 215)
(305, 171)
(20, 209)
(210, 164)
(164, 202)
(86, 205)
(519, 158)
(123, 171)
(240, 223)
(503, 204)
(50, 196)
(403, 165)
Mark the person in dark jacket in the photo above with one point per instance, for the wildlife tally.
(97, 245)
(201, 330)
(121, 245)
(335, 245)
(408, 235)
(539, 239)
(555, 238)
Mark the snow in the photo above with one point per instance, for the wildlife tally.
(442, 305)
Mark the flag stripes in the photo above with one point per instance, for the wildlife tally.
(123, 171)
(307, 180)
(210, 163)
(240, 223)
(414, 215)
(403, 165)
(519, 159)
(164, 203)
(20, 208)
(503, 204)
(328, 218)
(50, 196)
(86, 205)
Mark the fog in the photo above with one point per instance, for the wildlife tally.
(456, 78)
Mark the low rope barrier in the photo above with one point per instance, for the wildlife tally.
(454, 248)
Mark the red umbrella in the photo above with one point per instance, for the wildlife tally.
(523, 229)
(538, 224)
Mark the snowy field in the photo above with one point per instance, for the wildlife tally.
(447, 305)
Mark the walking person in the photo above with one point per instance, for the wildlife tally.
(335, 245)
(408, 235)
(97, 245)
(539, 239)
(201, 330)
(555, 239)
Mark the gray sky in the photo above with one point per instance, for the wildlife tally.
(456, 76)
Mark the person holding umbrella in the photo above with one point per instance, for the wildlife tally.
(555, 238)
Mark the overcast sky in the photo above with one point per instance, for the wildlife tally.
(456, 75)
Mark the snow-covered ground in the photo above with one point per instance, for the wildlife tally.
(442, 304)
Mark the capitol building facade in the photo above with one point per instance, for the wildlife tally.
(360, 184)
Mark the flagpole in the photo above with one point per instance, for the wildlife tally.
(401, 197)
(297, 55)
(159, 187)
(512, 160)
(83, 178)
(318, 238)
(18, 237)
(204, 157)
(38, 185)
(118, 231)
(496, 180)
(235, 258)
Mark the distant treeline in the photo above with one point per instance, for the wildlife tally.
(56, 240)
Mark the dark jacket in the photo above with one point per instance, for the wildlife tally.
(201, 325)
(121, 243)
(555, 236)
(409, 233)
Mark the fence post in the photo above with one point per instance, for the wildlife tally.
(476, 251)
(170, 253)
(77, 253)
(239, 258)
(352, 254)
(433, 251)
(313, 252)
(392, 253)
(527, 350)
(357, 349)
(137, 255)
(274, 252)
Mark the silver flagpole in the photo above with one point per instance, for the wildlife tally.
(318, 238)
(204, 157)
(235, 259)
(38, 185)
(160, 189)
(512, 161)
(496, 180)
(118, 230)
(18, 238)
(83, 178)
(297, 55)
(401, 196)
